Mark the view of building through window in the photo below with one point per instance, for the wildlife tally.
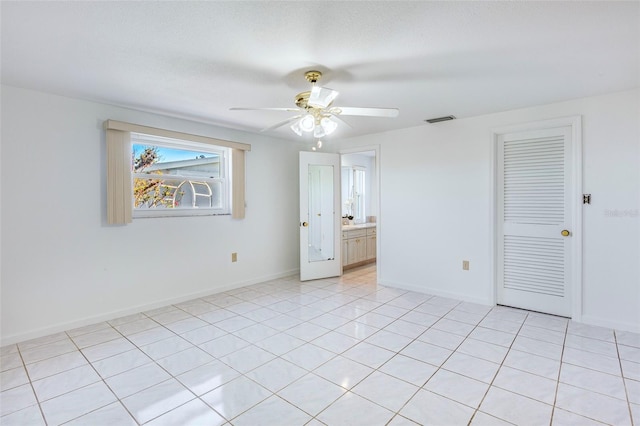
(170, 174)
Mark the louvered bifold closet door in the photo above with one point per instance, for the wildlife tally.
(533, 208)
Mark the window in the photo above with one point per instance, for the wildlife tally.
(159, 172)
(178, 178)
(353, 193)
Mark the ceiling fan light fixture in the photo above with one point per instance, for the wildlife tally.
(315, 110)
(329, 126)
(307, 123)
(296, 128)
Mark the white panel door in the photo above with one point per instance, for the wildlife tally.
(320, 222)
(534, 220)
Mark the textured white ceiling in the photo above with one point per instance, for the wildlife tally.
(429, 59)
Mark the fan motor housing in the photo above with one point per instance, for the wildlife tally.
(302, 99)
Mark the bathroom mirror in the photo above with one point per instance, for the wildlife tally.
(321, 243)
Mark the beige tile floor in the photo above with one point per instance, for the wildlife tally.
(341, 351)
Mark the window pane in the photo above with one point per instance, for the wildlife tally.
(178, 178)
(194, 194)
(150, 193)
(160, 160)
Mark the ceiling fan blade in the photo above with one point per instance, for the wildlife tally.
(367, 112)
(264, 109)
(282, 123)
(340, 119)
(321, 97)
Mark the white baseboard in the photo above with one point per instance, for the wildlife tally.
(438, 292)
(585, 319)
(70, 325)
(616, 325)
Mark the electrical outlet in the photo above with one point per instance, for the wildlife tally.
(234, 257)
(465, 265)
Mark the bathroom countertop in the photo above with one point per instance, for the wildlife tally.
(359, 226)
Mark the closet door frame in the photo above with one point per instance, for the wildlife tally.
(575, 122)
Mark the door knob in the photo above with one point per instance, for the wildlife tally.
(305, 224)
(565, 233)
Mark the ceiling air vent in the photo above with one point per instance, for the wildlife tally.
(439, 119)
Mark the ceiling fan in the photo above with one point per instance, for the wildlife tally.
(316, 113)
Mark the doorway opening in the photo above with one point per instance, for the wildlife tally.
(360, 207)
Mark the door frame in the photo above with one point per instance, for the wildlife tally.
(376, 149)
(575, 122)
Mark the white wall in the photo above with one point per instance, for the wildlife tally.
(63, 267)
(436, 205)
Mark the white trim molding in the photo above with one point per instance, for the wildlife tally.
(94, 319)
(172, 134)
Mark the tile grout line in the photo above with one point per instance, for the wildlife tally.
(118, 399)
(171, 376)
(555, 396)
(249, 378)
(35, 395)
(350, 390)
(348, 290)
(241, 373)
(103, 380)
(39, 403)
(368, 375)
(624, 381)
(438, 367)
(496, 375)
(307, 371)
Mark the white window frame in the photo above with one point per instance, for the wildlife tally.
(224, 179)
(119, 181)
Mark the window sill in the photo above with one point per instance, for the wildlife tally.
(147, 214)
